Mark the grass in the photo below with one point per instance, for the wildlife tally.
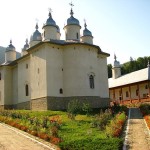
(75, 134)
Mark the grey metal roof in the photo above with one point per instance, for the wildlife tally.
(86, 32)
(36, 36)
(26, 46)
(50, 21)
(10, 47)
(2, 54)
(133, 77)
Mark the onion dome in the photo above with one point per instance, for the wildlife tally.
(26, 46)
(116, 63)
(36, 35)
(10, 47)
(50, 21)
(86, 32)
(72, 20)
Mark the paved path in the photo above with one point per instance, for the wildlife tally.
(138, 134)
(13, 139)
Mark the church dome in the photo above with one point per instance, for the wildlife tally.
(36, 35)
(58, 29)
(26, 46)
(10, 47)
(86, 32)
(116, 63)
(72, 20)
(50, 21)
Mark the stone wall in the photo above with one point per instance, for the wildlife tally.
(23, 105)
(60, 103)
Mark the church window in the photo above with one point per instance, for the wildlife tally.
(91, 80)
(146, 86)
(44, 33)
(27, 90)
(127, 94)
(38, 70)
(137, 92)
(0, 76)
(61, 91)
(26, 66)
(62, 69)
(77, 36)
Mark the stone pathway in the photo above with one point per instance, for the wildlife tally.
(138, 137)
(14, 139)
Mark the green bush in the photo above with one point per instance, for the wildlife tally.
(92, 144)
(74, 108)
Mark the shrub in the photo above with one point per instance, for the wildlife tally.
(86, 108)
(74, 108)
(92, 144)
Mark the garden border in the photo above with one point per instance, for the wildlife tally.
(29, 136)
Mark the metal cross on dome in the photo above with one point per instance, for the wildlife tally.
(71, 4)
(85, 23)
(50, 10)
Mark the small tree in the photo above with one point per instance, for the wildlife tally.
(74, 108)
(86, 108)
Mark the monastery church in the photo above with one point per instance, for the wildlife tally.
(51, 71)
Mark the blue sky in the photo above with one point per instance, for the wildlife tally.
(118, 26)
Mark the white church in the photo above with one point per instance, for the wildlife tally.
(51, 71)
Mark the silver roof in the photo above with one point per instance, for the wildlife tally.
(86, 32)
(133, 77)
(72, 20)
(10, 47)
(36, 36)
(26, 46)
(50, 21)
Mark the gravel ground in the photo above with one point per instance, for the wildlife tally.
(14, 139)
(138, 135)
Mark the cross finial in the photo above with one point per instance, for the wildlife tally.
(10, 41)
(85, 25)
(115, 58)
(71, 4)
(50, 11)
(26, 41)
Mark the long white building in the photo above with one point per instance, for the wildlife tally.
(51, 72)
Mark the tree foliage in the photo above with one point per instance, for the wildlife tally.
(132, 65)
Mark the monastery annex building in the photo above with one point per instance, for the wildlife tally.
(133, 87)
(51, 71)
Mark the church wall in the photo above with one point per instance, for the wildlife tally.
(87, 39)
(54, 67)
(23, 80)
(49, 32)
(15, 84)
(103, 76)
(10, 55)
(79, 62)
(71, 32)
(8, 86)
(38, 73)
(133, 92)
(2, 87)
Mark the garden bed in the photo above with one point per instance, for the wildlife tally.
(92, 132)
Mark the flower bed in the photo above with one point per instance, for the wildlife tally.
(57, 128)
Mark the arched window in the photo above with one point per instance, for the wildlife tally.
(27, 90)
(91, 79)
(77, 36)
(0, 76)
(61, 91)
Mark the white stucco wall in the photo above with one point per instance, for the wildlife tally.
(49, 32)
(79, 62)
(103, 76)
(71, 32)
(23, 79)
(2, 86)
(10, 56)
(54, 67)
(15, 84)
(38, 73)
(8, 85)
(87, 39)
